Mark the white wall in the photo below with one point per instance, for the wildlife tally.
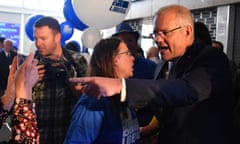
(20, 15)
(140, 9)
(147, 8)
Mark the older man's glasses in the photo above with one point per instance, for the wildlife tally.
(126, 52)
(163, 34)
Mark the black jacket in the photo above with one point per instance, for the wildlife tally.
(4, 68)
(196, 102)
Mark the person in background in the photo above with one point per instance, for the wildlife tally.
(19, 96)
(106, 121)
(195, 98)
(54, 96)
(149, 133)
(235, 89)
(1, 43)
(73, 45)
(153, 54)
(201, 33)
(218, 44)
(233, 65)
(236, 111)
(7, 99)
(143, 68)
(6, 58)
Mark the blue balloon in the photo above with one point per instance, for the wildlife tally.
(30, 24)
(63, 43)
(71, 16)
(66, 30)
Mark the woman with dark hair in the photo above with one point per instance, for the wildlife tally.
(106, 120)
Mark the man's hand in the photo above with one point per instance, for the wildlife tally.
(41, 71)
(99, 86)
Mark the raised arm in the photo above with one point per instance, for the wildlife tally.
(24, 128)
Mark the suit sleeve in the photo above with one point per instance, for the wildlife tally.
(159, 93)
(201, 78)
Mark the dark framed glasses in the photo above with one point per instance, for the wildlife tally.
(163, 34)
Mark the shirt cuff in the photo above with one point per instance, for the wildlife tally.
(123, 91)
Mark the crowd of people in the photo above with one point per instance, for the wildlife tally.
(106, 120)
(187, 94)
(195, 99)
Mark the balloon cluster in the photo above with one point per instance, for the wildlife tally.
(87, 16)
(71, 16)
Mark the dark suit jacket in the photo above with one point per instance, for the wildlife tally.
(196, 102)
(4, 68)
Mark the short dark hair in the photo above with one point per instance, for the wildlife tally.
(73, 45)
(2, 39)
(51, 22)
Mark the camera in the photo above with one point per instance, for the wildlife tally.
(54, 70)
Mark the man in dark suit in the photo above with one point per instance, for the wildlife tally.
(6, 57)
(1, 43)
(195, 97)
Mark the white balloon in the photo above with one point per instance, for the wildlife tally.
(101, 14)
(90, 37)
(32, 47)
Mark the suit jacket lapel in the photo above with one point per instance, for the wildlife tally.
(159, 68)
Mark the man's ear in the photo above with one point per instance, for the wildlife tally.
(58, 37)
(189, 30)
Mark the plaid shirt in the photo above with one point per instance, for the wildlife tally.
(56, 101)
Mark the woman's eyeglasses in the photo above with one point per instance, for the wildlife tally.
(126, 52)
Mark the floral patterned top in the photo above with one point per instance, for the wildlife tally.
(3, 114)
(24, 129)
